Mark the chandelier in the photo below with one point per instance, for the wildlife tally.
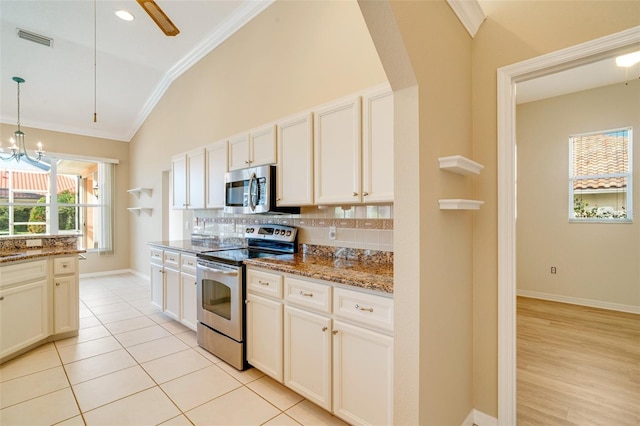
(17, 148)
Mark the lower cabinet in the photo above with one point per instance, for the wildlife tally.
(188, 298)
(172, 293)
(264, 335)
(157, 285)
(65, 304)
(307, 355)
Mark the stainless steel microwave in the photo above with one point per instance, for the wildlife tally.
(253, 190)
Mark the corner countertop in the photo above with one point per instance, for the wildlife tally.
(195, 247)
(360, 273)
(7, 256)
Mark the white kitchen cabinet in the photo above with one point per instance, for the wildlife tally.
(307, 355)
(264, 335)
(188, 292)
(188, 180)
(362, 375)
(216, 166)
(295, 161)
(172, 284)
(157, 286)
(24, 316)
(377, 146)
(337, 147)
(256, 148)
(65, 294)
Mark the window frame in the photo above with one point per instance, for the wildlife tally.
(628, 176)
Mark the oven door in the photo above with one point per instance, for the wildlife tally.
(220, 298)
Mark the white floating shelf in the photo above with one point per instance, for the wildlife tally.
(137, 210)
(460, 165)
(458, 204)
(137, 191)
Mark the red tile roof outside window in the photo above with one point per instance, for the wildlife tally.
(33, 183)
(600, 154)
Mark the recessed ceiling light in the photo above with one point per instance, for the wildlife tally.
(124, 15)
(628, 60)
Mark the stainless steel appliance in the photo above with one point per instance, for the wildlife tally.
(221, 290)
(253, 190)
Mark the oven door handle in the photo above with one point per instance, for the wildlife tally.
(220, 271)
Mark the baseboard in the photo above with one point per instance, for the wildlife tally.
(579, 301)
(479, 418)
(114, 272)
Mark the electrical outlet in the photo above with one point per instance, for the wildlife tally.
(332, 232)
(34, 243)
(553, 270)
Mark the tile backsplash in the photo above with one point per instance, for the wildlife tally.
(362, 227)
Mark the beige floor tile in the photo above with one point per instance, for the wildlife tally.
(111, 308)
(175, 365)
(189, 337)
(120, 316)
(307, 413)
(99, 365)
(277, 394)
(245, 376)
(39, 359)
(198, 387)
(141, 335)
(282, 420)
(174, 327)
(160, 318)
(88, 349)
(73, 421)
(84, 335)
(149, 407)
(87, 322)
(208, 355)
(45, 410)
(105, 389)
(129, 325)
(157, 348)
(100, 300)
(239, 407)
(181, 420)
(31, 386)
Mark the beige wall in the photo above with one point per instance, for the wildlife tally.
(595, 261)
(291, 57)
(65, 143)
(515, 31)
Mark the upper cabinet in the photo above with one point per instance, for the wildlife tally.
(255, 148)
(353, 150)
(337, 153)
(188, 174)
(295, 161)
(216, 167)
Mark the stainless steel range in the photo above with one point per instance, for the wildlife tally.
(221, 290)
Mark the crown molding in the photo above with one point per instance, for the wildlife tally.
(470, 13)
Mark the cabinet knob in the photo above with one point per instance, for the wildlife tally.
(365, 194)
(57, 284)
(334, 332)
(1, 297)
(355, 194)
(324, 328)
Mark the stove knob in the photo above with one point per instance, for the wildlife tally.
(248, 231)
(288, 233)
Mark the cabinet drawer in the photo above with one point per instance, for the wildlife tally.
(264, 283)
(188, 263)
(64, 265)
(308, 294)
(172, 258)
(22, 272)
(156, 256)
(364, 308)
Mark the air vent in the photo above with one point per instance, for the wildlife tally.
(36, 38)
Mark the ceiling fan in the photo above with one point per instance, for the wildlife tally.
(159, 17)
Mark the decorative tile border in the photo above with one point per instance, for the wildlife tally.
(386, 224)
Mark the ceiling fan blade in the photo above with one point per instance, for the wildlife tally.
(159, 17)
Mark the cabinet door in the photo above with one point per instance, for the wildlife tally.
(157, 286)
(24, 316)
(179, 181)
(239, 152)
(337, 153)
(295, 161)
(172, 293)
(262, 146)
(377, 146)
(362, 375)
(189, 301)
(264, 335)
(307, 355)
(65, 304)
(216, 169)
(196, 179)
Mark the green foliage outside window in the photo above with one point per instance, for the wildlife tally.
(66, 215)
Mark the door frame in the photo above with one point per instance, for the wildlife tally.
(508, 77)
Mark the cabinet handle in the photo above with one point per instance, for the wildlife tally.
(196, 283)
(355, 194)
(365, 194)
(246, 161)
(246, 302)
(1, 298)
(324, 328)
(264, 283)
(57, 284)
(302, 293)
(334, 332)
(360, 308)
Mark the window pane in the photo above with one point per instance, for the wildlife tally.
(30, 219)
(4, 220)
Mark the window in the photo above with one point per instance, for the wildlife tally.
(58, 196)
(600, 176)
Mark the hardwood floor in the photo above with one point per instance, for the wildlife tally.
(576, 365)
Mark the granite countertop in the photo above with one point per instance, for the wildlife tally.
(7, 256)
(357, 273)
(200, 246)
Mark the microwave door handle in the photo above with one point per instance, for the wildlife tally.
(220, 271)
(252, 180)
